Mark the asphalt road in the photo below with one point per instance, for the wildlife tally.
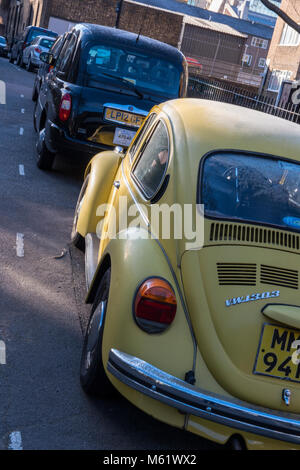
(42, 312)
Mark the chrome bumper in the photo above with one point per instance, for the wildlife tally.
(186, 398)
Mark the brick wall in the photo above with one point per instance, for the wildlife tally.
(154, 23)
(158, 24)
(87, 11)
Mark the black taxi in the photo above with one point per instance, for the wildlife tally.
(100, 89)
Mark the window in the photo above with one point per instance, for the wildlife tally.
(47, 43)
(277, 78)
(259, 42)
(109, 64)
(247, 59)
(258, 189)
(262, 62)
(289, 37)
(145, 127)
(151, 166)
(66, 53)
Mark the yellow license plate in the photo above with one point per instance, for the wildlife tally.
(278, 353)
(129, 119)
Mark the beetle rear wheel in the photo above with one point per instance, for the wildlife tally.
(93, 378)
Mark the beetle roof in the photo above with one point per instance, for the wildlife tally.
(202, 126)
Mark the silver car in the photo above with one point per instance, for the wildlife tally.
(31, 55)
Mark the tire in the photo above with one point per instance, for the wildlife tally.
(93, 378)
(20, 61)
(29, 66)
(77, 239)
(45, 158)
(34, 119)
(35, 94)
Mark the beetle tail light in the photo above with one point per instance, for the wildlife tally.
(38, 50)
(154, 305)
(65, 107)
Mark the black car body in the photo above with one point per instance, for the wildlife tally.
(3, 46)
(103, 84)
(17, 45)
(45, 68)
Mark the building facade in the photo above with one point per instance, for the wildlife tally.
(284, 54)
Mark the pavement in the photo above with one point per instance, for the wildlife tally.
(42, 310)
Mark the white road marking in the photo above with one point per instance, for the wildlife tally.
(2, 92)
(2, 353)
(22, 96)
(21, 170)
(22, 110)
(21, 130)
(20, 245)
(15, 441)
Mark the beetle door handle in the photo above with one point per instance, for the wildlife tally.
(117, 184)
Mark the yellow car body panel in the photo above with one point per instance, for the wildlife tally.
(101, 170)
(218, 342)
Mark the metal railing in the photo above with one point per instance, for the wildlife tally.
(200, 88)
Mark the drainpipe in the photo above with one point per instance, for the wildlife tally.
(216, 54)
(119, 11)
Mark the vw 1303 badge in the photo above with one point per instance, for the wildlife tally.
(251, 298)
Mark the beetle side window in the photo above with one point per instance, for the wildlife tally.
(151, 166)
(148, 122)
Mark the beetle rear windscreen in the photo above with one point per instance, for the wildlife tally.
(252, 189)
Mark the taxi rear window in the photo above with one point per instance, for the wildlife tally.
(251, 188)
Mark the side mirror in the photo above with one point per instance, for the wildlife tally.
(47, 58)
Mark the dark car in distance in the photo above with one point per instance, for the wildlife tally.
(3, 47)
(28, 35)
(100, 89)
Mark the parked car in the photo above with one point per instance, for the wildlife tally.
(31, 54)
(100, 90)
(45, 68)
(21, 42)
(3, 46)
(200, 330)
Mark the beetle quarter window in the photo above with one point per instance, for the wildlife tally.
(252, 188)
(149, 120)
(152, 164)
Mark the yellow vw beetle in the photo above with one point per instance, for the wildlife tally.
(191, 244)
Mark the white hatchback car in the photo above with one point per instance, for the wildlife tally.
(31, 55)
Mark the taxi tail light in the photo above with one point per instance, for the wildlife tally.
(65, 107)
(155, 305)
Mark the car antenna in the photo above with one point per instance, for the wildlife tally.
(138, 36)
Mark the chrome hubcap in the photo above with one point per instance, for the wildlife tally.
(93, 333)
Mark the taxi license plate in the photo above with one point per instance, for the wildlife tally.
(277, 353)
(129, 119)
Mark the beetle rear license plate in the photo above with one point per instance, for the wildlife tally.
(129, 119)
(277, 353)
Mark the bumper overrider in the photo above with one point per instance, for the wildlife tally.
(186, 398)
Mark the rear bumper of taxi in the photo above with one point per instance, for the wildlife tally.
(189, 399)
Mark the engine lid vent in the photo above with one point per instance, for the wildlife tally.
(223, 232)
(279, 276)
(236, 274)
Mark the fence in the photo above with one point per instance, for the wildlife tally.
(215, 91)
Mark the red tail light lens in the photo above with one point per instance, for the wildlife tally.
(65, 107)
(155, 305)
(38, 50)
